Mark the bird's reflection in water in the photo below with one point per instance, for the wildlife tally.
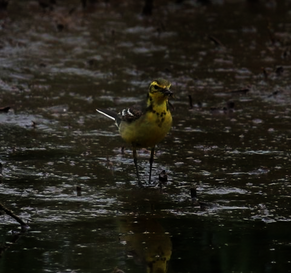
(148, 242)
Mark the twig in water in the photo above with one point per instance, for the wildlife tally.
(190, 101)
(15, 217)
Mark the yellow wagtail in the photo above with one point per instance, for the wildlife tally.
(145, 128)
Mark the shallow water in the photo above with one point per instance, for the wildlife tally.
(64, 171)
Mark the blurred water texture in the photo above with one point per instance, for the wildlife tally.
(64, 171)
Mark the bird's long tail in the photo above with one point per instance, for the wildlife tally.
(109, 114)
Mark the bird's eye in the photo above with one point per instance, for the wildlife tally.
(156, 87)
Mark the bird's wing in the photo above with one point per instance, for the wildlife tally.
(130, 114)
(127, 114)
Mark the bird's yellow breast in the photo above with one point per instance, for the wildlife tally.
(149, 129)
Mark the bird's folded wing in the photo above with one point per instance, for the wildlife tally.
(130, 114)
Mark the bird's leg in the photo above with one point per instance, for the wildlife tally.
(151, 162)
(135, 161)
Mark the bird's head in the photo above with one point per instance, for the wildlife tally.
(159, 90)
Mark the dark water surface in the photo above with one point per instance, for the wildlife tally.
(59, 63)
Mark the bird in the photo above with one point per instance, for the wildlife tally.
(146, 126)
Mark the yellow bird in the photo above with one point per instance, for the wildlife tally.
(147, 127)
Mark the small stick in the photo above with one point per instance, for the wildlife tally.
(190, 101)
(15, 217)
(79, 190)
(216, 41)
(193, 194)
(242, 91)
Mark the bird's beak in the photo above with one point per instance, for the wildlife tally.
(167, 92)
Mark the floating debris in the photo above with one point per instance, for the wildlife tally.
(216, 41)
(5, 109)
(196, 202)
(79, 190)
(240, 91)
(117, 270)
(229, 108)
(193, 194)
(274, 94)
(163, 177)
(279, 71)
(190, 102)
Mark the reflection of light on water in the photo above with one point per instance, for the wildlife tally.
(225, 190)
